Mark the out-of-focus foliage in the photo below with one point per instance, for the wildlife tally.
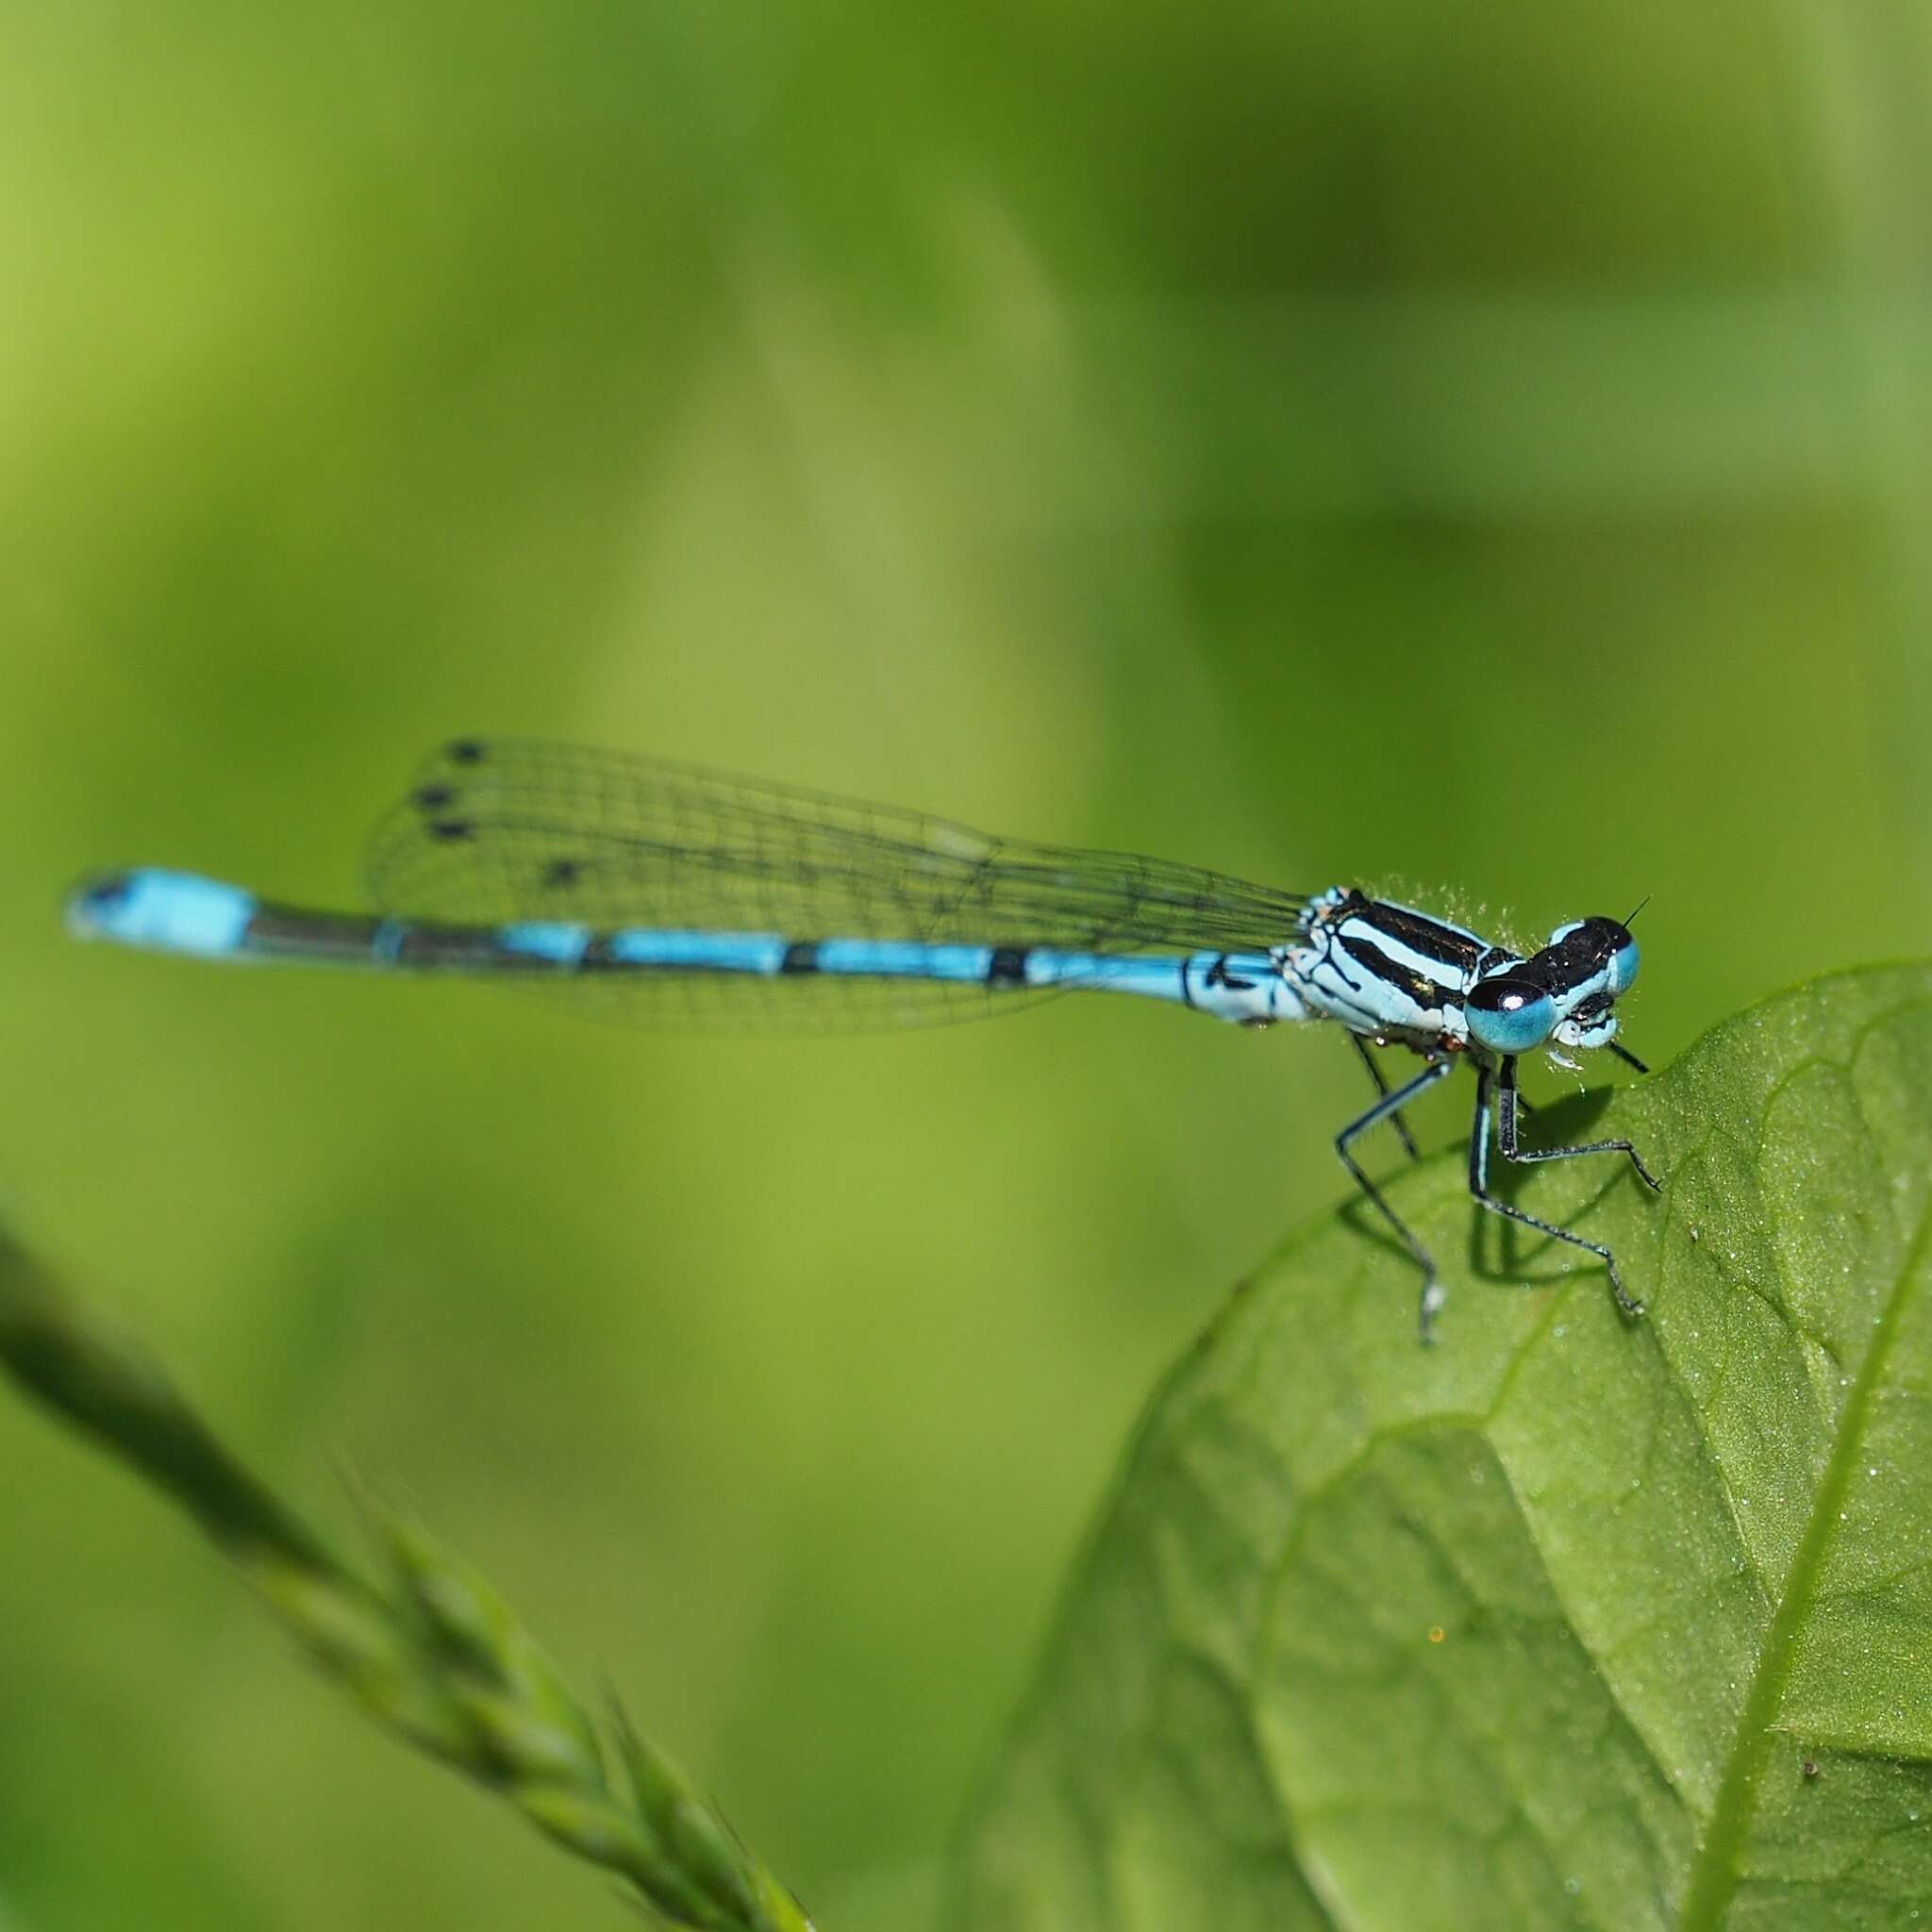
(437, 1659)
(1487, 448)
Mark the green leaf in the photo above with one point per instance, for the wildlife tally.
(1572, 1621)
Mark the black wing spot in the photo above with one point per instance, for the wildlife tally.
(451, 831)
(434, 797)
(563, 872)
(466, 751)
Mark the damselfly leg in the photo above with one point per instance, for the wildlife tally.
(1395, 1120)
(1503, 1080)
(1390, 1105)
(1508, 1104)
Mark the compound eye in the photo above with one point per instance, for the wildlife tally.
(1510, 1016)
(1622, 961)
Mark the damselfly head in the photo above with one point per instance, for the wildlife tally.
(1587, 965)
(1564, 995)
(1586, 947)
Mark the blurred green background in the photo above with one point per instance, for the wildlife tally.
(1490, 448)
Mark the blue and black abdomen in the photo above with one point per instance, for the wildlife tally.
(665, 894)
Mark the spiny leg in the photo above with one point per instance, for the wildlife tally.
(1395, 1120)
(1480, 1171)
(1392, 1103)
(1506, 1135)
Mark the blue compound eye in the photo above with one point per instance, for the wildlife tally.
(1622, 966)
(1510, 1016)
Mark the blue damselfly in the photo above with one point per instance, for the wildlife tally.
(668, 894)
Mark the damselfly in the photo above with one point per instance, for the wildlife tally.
(669, 893)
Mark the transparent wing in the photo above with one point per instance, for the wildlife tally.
(499, 830)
